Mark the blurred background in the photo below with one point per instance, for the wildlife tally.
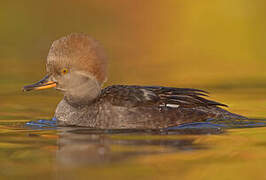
(216, 45)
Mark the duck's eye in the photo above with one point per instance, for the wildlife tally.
(64, 71)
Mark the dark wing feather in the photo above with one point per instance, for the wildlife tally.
(185, 96)
(131, 96)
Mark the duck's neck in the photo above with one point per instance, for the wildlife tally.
(83, 94)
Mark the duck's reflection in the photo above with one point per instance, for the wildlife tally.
(79, 147)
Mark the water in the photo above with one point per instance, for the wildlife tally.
(79, 153)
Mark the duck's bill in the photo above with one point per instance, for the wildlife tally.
(45, 83)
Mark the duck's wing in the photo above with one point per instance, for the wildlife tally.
(131, 96)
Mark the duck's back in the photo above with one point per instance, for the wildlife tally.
(152, 107)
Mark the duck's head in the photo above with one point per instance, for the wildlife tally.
(76, 65)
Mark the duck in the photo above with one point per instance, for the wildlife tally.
(77, 66)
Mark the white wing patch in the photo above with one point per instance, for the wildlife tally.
(170, 105)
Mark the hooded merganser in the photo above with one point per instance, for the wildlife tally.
(77, 65)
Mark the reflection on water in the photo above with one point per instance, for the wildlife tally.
(209, 126)
(68, 148)
(76, 153)
(79, 147)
